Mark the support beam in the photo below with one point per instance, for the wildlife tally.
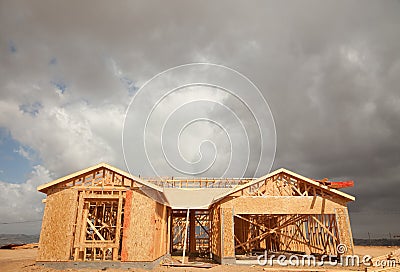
(192, 232)
(185, 235)
(126, 225)
(169, 233)
(118, 227)
(94, 229)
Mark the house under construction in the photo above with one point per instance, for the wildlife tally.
(105, 214)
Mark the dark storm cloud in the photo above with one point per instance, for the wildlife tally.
(329, 70)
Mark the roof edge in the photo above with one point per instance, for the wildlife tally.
(42, 188)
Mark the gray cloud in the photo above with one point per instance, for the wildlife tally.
(329, 70)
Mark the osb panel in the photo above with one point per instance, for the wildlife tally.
(126, 224)
(228, 228)
(215, 231)
(282, 205)
(57, 232)
(160, 231)
(344, 229)
(138, 238)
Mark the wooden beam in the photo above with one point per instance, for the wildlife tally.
(185, 235)
(94, 229)
(192, 232)
(251, 222)
(106, 189)
(297, 240)
(324, 227)
(118, 227)
(99, 197)
(169, 234)
(201, 225)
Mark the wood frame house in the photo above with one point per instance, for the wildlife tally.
(105, 214)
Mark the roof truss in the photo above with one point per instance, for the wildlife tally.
(283, 182)
(100, 175)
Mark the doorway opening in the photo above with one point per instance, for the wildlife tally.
(190, 234)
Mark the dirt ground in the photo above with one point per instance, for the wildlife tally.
(24, 260)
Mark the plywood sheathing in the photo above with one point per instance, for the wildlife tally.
(126, 225)
(215, 243)
(160, 230)
(344, 229)
(215, 236)
(282, 205)
(56, 237)
(228, 233)
(145, 229)
(139, 233)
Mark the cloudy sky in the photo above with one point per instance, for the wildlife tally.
(330, 72)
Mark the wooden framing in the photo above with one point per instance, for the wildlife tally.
(98, 226)
(114, 216)
(198, 236)
(177, 182)
(281, 212)
(99, 175)
(283, 182)
(317, 234)
(178, 228)
(94, 224)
